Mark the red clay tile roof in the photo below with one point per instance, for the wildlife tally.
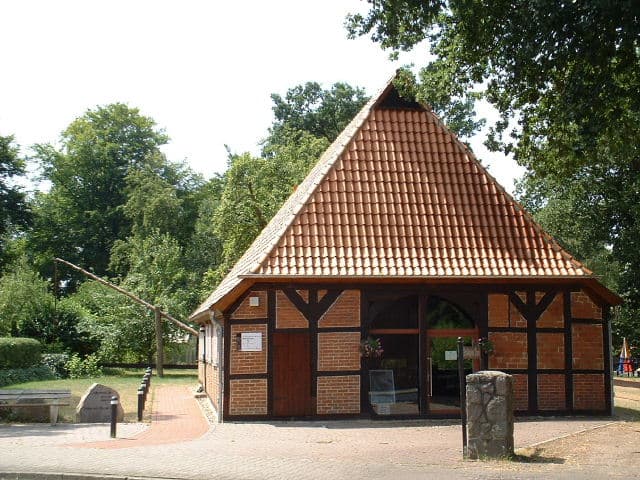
(398, 195)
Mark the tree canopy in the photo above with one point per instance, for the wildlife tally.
(14, 210)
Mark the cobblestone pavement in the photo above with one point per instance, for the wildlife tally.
(278, 450)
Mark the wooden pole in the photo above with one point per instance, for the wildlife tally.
(159, 343)
(133, 297)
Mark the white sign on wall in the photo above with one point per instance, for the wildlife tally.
(251, 341)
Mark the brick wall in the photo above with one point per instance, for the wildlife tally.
(520, 392)
(553, 316)
(338, 395)
(551, 392)
(498, 310)
(588, 391)
(247, 362)
(287, 315)
(583, 307)
(587, 346)
(510, 350)
(550, 350)
(339, 351)
(515, 317)
(244, 310)
(213, 384)
(345, 311)
(248, 397)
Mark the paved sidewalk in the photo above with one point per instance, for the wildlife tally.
(176, 418)
(276, 450)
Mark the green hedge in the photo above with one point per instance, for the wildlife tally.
(12, 376)
(16, 352)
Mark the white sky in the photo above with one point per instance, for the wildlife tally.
(203, 70)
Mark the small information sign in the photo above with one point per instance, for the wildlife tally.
(251, 341)
(450, 355)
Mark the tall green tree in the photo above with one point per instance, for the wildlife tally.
(565, 77)
(310, 108)
(14, 209)
(82, 215)
(307, 119)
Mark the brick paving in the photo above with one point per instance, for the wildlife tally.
(278, 450)
(175, 417)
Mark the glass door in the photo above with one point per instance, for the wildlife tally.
(443, 382)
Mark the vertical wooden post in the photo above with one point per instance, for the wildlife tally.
(159, 342)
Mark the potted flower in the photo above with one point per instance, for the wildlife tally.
(371, 350)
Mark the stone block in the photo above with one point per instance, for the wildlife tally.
(95, 405)
(489, 422)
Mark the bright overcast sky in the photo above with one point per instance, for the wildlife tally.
(203, 70)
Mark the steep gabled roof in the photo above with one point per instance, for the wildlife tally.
(397, 195)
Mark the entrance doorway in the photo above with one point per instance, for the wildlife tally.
(417, 372)
(445, 323)
(292, 374)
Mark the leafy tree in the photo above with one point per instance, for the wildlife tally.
(565, 77)
(82, 215)
(255, 188)
(14, 210)
(29, 309)
(123, 329)
(163, 197)
(321, 112)
(306, 120)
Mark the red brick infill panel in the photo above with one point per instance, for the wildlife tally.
(588, 391)
(587, 346)
(248, 362)
(583, 307)
(520, 392)
(345, 311)
(246, 311)
(550, 350)
(553, 316)
(338, 351)
(338, 394)
(248, 397)
(551, 393)
(287, 315)
(510, 350)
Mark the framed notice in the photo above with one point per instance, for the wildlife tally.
(251, 341)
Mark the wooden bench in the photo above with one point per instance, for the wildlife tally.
(54, 399)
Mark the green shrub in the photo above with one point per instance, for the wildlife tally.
(57, 363)
(16, 352)
(12, 376)
(83, 368)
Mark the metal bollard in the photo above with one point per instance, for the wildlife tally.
(143, 386)
(140, 403)
(149, 372)
(114, 415)
(147, 381)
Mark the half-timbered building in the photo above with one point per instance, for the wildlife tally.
(399, 238)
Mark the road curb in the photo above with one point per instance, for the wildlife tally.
(71, 476)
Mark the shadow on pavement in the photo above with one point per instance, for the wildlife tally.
(534, 455)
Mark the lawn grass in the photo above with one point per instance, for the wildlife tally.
(124, 381)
